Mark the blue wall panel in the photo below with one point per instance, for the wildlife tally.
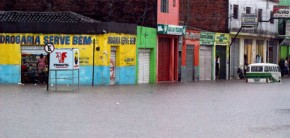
(102, 75)
(65, 77)
(10, 74)
(125, 75)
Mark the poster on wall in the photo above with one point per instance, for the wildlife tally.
(64, 59)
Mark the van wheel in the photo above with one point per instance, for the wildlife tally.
(267, 80)
(247, 80)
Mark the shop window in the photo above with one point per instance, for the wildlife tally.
(164, 6)
(236, 12)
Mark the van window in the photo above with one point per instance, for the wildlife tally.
(277, 69)
(266, 69)
(257, 69)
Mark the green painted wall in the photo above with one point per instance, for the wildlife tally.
(284, 52)
(284, 2)
(147, 38)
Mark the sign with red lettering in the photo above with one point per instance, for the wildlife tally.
(62, 59)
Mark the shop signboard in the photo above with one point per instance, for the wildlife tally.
(249, 20)
(222, 39)
(206, 38)
(170, 29)
(281, 11)
(192, 35)
(64, 59)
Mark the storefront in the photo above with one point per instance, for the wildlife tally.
(146, 55)
(115, 59)
(168, 36)
(27, 48)
(189, 56)
(107, 50)
(222, 42)
(206, 56)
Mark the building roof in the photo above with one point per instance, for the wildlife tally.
(58, 22)
(44, 17)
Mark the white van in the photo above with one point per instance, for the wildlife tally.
(263, 72)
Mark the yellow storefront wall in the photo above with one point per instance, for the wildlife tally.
(125, 49)
(11, 45)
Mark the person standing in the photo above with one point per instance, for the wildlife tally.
(217, 67)
(286, 66)
(41, 65)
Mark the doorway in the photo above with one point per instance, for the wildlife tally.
(113, 66)
(222, 69)
(205, 62)
(30, 73)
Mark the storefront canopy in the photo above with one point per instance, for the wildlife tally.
(285, 42)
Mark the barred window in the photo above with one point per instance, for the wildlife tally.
(271, 17)
(164, 6)
(260, 15)
(248, 10)
(236, 12)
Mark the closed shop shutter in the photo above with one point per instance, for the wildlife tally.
(112, 65)
(189, 63)
(205, 63)
(144, 66)
(36, 50)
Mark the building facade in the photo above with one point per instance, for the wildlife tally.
(209, 18)
(107, 50)
(256, 44)
(169, 33)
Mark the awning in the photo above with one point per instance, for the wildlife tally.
(285, 42)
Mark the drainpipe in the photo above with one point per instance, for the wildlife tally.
(94, 47)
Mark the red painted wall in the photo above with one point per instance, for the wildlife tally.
(172, 17)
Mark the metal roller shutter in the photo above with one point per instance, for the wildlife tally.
(112, 65)
(205, 63)
(144, 66)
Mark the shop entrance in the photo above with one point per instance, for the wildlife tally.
(222, 69)
(113, 66)
(205, 62)
(31, 71)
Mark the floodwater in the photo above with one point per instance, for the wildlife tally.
(207, 109)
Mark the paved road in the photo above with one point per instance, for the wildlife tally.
(208, 109)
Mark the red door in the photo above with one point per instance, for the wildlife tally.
(164, 59)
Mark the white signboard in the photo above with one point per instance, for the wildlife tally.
(64, 59)
(281, 11)
(249, 20)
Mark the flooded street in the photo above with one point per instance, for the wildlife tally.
(207, 109)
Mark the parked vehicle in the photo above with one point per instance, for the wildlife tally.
(263, 72)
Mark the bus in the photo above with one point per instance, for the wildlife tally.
(263, 72)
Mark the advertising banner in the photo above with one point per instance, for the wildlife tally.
(64, 59)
